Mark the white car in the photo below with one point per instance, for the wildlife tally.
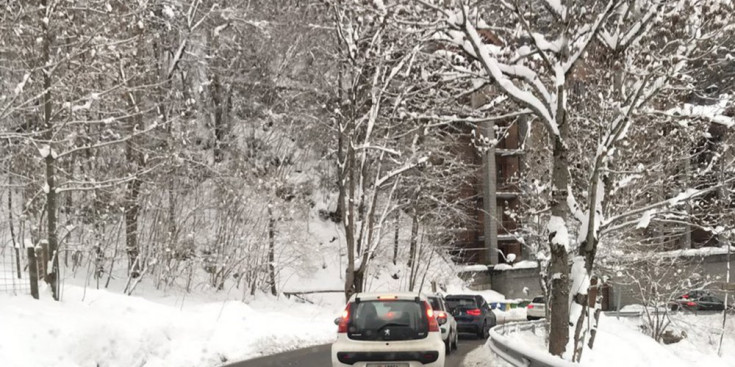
(536, 309)
(447, 323)
(388, 330)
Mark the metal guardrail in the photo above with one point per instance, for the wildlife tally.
(623, 313)
(522, 355)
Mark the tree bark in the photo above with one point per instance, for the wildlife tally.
(349, 223)
(272, 250)
(559, 264)
(395, 237)
(414, 239)
(52, 276)
(131, 225)
(33, 271)
(12, 229)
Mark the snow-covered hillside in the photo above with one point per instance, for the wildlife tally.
(102, 328)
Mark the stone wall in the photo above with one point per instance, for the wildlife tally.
(711, 268)
(510, 283)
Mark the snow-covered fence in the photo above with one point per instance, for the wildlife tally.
(13, 276)
(521, 354)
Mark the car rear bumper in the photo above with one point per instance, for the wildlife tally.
(428, 352)
(474, 326)
(536, 314)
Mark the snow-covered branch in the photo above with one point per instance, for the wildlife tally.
(496, 71)
(400, 170)
(586, 37)
(150, 128)
(612, 224)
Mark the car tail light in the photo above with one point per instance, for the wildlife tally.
(691, 304)
(440, 314)
(474, 312)
(686, 296)
(433, 324)
(342, 327)
(530, 306)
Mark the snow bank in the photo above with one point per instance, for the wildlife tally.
(619, 342)
(472, 268)
(525, 264)
(483, 357)
(704, 251)
(514, 314)
(107, 329)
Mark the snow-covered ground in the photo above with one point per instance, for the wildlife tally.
(106, 329)
(483, 357)
(168, 326)
(619, 343)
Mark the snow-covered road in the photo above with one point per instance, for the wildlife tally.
(319, 356)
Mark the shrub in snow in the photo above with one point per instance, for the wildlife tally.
(671, 337)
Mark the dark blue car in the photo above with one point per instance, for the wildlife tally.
(472, 313)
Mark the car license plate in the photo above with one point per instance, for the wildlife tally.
(387, 364)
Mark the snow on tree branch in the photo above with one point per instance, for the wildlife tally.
(497, 71)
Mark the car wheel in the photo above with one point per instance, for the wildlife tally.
(485, 331)
(448, 345)
(456, 340)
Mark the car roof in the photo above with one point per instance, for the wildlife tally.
(463, 296)
(374, 296)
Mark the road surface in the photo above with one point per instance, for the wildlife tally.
(319, 356)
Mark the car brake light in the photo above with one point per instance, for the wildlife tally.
(530, 306)
(387, 297)
(686, 296)
(474, 312)
(342, 328)
(433, 324)
(691, 304)
(441, 315)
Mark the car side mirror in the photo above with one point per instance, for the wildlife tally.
(441, 320)
(337, 320)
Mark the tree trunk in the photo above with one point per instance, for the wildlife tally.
(131, 222)
(52, 276)
(12, 228)
(341, 177)
(219, 123)
(414, 239)
(33, 271)
(272, 250)
(349, 224)
(559, 264)
(395, 238)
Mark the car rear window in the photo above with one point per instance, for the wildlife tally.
(435, 304)
(388, 320)
(538, 300)
(462, 303)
